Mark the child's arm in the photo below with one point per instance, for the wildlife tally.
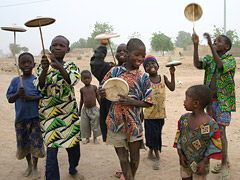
(196, 61)
(127, 101)
(182, 158)
(13, 98)
(45, 65)
(27, 97)
(202, 165)
(214, 52)
(97, 95)
(170, 85)
(81, 102)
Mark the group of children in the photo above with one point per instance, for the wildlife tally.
(201, 135)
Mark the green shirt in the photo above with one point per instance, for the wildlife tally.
(224, 80)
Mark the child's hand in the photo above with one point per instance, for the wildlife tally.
(201, 166)
(207, 36)
(104, 42)
(20, 91)
(195, 38)
(125, 100)
(45, 62)
(54, 62)
(26, 97)
(183, 160)
(172, 69)
(102, 92)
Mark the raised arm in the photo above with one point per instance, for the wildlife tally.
(196, 61)
(170, 85)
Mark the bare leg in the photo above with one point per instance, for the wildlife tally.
(28, 171)
(86, 141)
(36, 174)
(224, 169)
(124, 162)
(134, 156)
(151, 155)
(157, 154)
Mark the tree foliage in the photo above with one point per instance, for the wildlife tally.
(46, 51)
(231, 34)
(14, 48)
(161, 42)
(183, 39)
(134, 35)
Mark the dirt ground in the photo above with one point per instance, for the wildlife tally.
(99, 162)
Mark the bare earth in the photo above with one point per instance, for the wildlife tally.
(99, 162)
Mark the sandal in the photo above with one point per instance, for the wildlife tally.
(218, 167)
(156, 166)
(118, 174)
(225, 176)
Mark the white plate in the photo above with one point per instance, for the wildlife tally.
(115, 86)
(106, 36)
(14, 28)
(173, 63)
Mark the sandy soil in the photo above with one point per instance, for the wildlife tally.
(99, 162)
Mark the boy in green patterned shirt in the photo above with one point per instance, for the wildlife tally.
(219, 77)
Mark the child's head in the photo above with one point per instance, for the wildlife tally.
(121, 55)
(26, 63)
(150, 65)
(198, 96)
(86, 77)
(222, 44)
(59, 46)
(136, 52)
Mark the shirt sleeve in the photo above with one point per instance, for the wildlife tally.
(177, 137)
(12, 89)
(229, 64)
(106, 77)
(147, 89)
(74, 73)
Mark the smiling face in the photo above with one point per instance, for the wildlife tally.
(136, 57)
(220, 45)
(26, 64)
(59, 47)
(151, 68)
(121, 54)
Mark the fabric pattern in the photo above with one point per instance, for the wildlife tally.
(139, 89)
(202, 142)
(58, 111)
(224, 80)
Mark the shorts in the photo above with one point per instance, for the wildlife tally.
(29, 138)
(120, 140)
(184, 173)
(214, 110)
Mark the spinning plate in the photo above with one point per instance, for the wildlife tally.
(193, 12)
(14, 28)
(106, 36)
(173, 63)
(39, 21)
(115, 86)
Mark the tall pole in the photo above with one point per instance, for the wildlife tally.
(225, 17)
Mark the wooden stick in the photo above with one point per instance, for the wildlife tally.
(112, 52)
(41, 37)
(15, 58)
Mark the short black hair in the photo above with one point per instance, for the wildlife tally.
(227, 41)
(86, 72)
(25, 54)
(134, 44)
(61, 36)
(200, 93)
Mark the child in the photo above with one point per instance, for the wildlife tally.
(58, 108)
(128, 109)
(28, 132)
(154, 115)
(198, 136)
(219, 77)
(90, 112)
(99, 69)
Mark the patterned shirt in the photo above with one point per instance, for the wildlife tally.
(139, 89)
(224, 80)
(58, 111)
(204, 141)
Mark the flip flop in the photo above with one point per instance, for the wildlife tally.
(222, 177)
(156, 166)
(118, 174)
(218, 167)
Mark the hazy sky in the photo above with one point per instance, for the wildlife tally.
(75, 19)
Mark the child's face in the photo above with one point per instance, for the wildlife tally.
(136, 57)
(121, 54)
(219, 44)
(26, 64)
(86, 79)
(188, 102)
(151, 67)
(59, 47)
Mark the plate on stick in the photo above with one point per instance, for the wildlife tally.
(173, 63)
(106, 36)
(114, 87)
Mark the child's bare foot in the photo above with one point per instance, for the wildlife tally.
(96, 141)
(151, 156)
(86, 141)
(27, 172)
(36, 174)
(78, 176)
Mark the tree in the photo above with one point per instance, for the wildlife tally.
(231, 34)
(14, 48)
(183, 39)
(81, 43)
(161, 42)
(24, 49)
(134, 35)
(46, 51)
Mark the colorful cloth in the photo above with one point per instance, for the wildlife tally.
(157, 111)
(58, 110)
(139, 89)
(224, 80)
(204, 141)
(29, 139)
(214, 110)
(24, 110)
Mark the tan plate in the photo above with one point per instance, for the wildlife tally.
(173, 63)
(115, 86)
(106, 36)
(40, 21)
(14, 28)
